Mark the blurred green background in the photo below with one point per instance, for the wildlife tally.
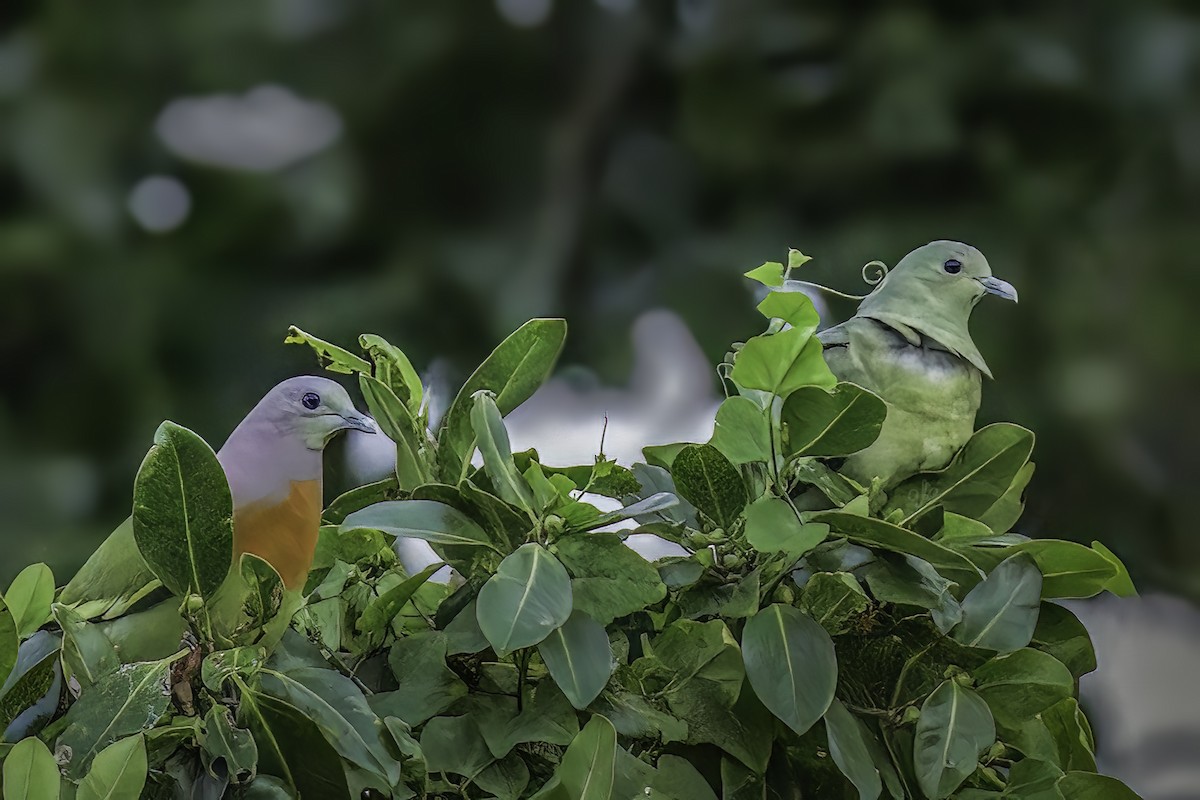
(180, 181)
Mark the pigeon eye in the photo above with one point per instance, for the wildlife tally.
(953, 266)
(311, 400)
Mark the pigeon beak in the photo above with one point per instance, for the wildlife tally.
(360, 423)
(999, 288)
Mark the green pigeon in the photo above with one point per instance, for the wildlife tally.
(273, 462)
(910, 344)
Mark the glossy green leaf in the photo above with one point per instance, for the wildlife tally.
(514, 371)
(1003, 515)
(398, 424)
(609, 579)
(9, 642)
(88, 654)
(394, 370)
(426, 686)
(978, 477)
(1001, 612)
(527, 598)
(1090, 786)
(30, 772)
(118, 771)
(835, 600)
(837, 422)
(329, 356)
(773, 527)
(877, 533)
(955, 727)
(588, 767)
(1060, 633)
(291, 747)
(579, 658)
(791, 664)
(1060, 735)
(742, 432)
(1121, 584)
(707, 480)
(183, 513)
(455, 745)
(491, 438)
(769, 274)
(849, 749)
(909, 580)
(1069, 569)
(28, 598)
(380, 612)
(31, 691)
(794, 308)
(234, 746)
(1020, 685)
(782, 362)
(420, 519)
(126, 702)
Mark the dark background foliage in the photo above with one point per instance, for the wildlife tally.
(494, 161)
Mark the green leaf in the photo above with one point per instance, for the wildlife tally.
(955, 727)
(651, 505)
(118, 771)
(1002, 516)
(420, 519)
(780, 363)
(794, 308)
(1062, 635)
(183, 513)
(219, 667)
(588, 767)
(264, 588)
(329, 356)
(426, 686)
(339, 710)
(1121, 585)
(9, 642)
(357, 499)
(1060, 735)
(399, 425)
(234, 746)
(29, 597)
(834, 600)
(32, 686)
(88, 654)
(1031, 779)
(740, 783)
(394, 370)
(707, 480)
(838, 422)
(769, 274)
(742, 432)
(850, 751)
(1020, 685)
(791, 664)
(492, 439)
(877, 533)
(579, 658)
(1090, 786)
(1001, 612)
(677, 777)
(380, 612)
(514, 371)
(527, 598)
(548, 718)
(610, 580)
(773, 527)
(291, 747)
(978, 477)
(505, 779)
(909, 580)
(126, 702)
(463, 634)
(455, 745)
(1069, 569)
(30, 772)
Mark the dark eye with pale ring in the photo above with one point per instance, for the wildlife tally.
(953, 266)
(311, 400)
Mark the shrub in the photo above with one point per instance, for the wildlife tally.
(823, 639)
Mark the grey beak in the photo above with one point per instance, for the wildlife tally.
(1000, 288)
(360, 423)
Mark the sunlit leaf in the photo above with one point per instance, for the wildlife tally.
(29, 597)
(330, 356)
(838, 422)
(118, 771)
(782, 362)
(30, 772)
(742, 432)
(772, 526)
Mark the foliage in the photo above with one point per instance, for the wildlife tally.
(823, 639)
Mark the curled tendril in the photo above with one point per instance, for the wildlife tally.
(873, 272)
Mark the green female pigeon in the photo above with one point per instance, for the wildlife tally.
(909, 343)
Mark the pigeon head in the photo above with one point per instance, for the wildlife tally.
(310, 408)
(933, 291)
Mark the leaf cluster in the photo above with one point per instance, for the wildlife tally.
(820, 639)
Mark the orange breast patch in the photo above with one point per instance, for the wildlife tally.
(284, 534)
